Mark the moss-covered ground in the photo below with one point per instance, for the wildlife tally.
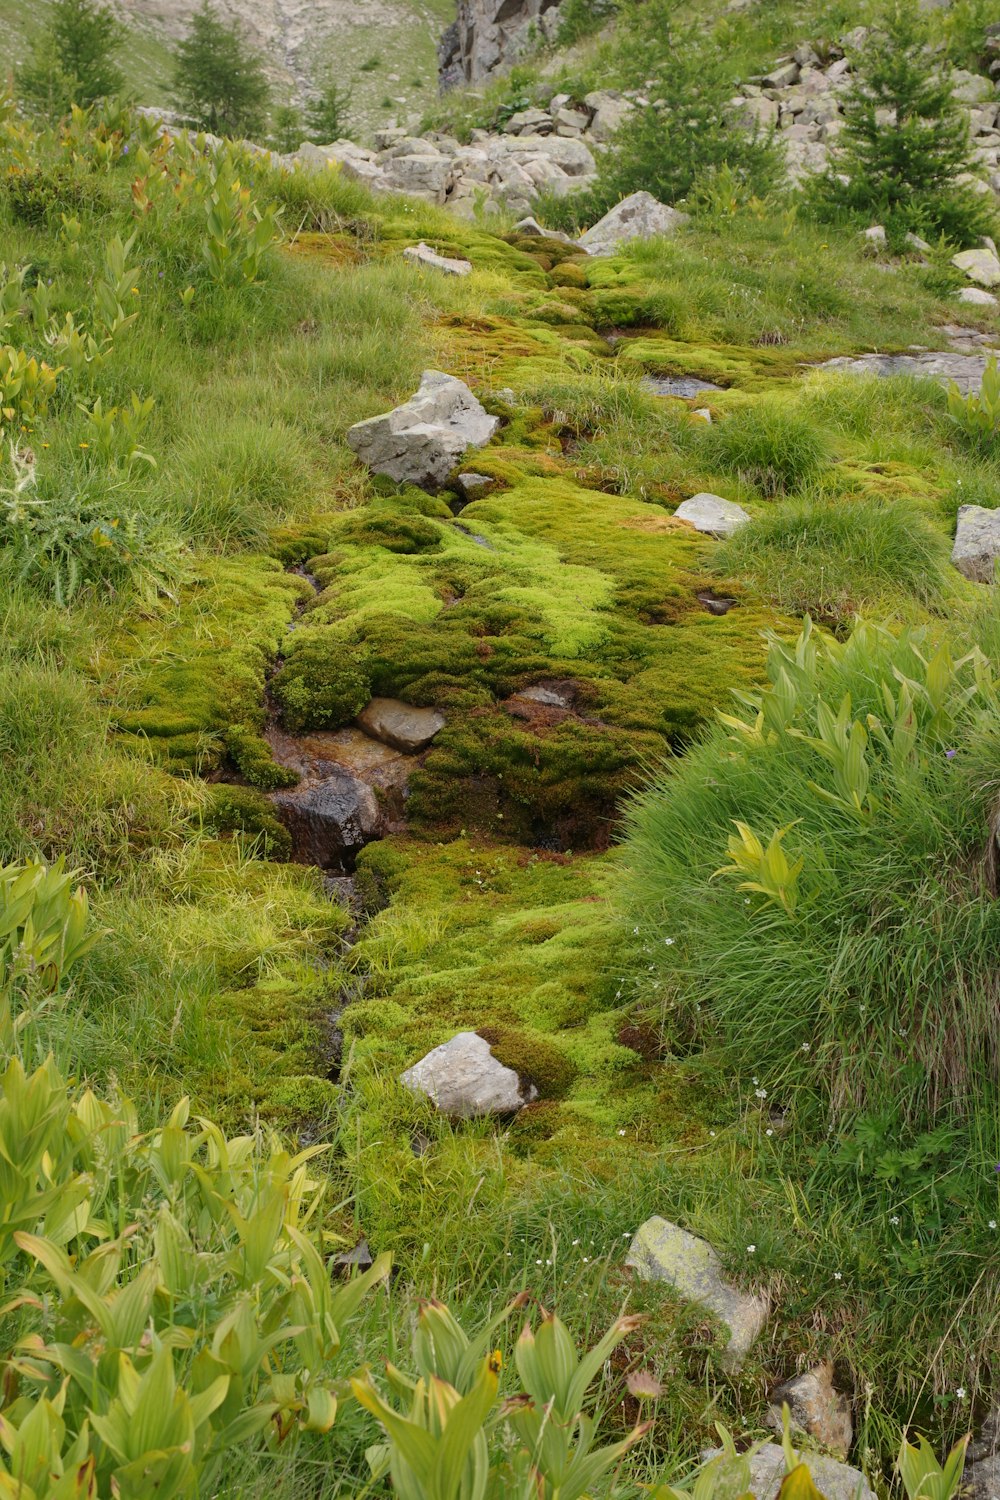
(130, 728)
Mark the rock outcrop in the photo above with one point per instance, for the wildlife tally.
(329, 820)
(421, 441)
(464, 1080)
(661, 1251)
(487, 35)
(640, 216)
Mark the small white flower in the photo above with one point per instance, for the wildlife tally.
(586, 1260)
(992, 1224)
(746, 900)
(960, 1393)
(805, 1046)
(751, 1249)
(635, 931)
(621, 1132)
(755, 1080)
(627, 1235)
(712, 1134)
(669, 942)
(768, 1132)
(838, 1275)
(894, 1221)
(537, 1262)
(761, 1093)
(576, 1242)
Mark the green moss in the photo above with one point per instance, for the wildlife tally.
(571, 273)
(533, 1058)
(253, 758)
(244, 810)
(320, 686)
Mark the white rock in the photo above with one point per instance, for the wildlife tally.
(423, 255)
(875, 234)
(638, 217)
(977, 542)
(712, 514)
(661, 1251)
(975, 296)
(981, 266)
(464, 1080)
(421, 441)
(835, 1481)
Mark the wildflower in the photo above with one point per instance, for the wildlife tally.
(768, 1132)
(586, 1260)
(838, 1275)
(755, 1080)
(751, 1249)
(669, 942)
(992, 1224)
(805, 1046)
(894, 1221)
(643, 1385)
(621, 1132)
(760, 1093)
(960, 1393)
(576, 1242)
(84, 445)
(950, 754)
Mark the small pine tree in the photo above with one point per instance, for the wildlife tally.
(219, 80)
(73, 59)
(287, 131)
(905, 142)
(326, 115)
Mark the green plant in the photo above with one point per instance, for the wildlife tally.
(327, 112)
(239, 231)
(768, 445)
(924, 1478)
(444, 1432)
(115, 432)
(977, 414)
(772, 874)
(905, 142)
(44, 920)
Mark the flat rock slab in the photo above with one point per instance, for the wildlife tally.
(684, 386)
(661, 1251)
(835, 1481)
(329, 819)
(640, 216)
(423, 255)
(421, 441)
(465, 1081)
(977, 542)
(711, 514)
(966, 370)
(399, 724)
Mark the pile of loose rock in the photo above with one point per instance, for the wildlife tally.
(802, 97)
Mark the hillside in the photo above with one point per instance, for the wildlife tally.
(499, 731)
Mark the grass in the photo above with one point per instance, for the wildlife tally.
(130, 724)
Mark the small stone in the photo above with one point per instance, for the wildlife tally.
(976, 296)
(875, 234)
(399, 724)
(980, 266)
(638, 217)
(330, 818)
(977, 543)
(835, 1481)
(465, 1081)
(782, 75)
(474, 486)
(423, 255)
(661, 1251)
(916, 243)
(703, 413)
(712, 514)
(816, 1408)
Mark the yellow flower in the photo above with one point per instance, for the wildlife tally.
(84, 445)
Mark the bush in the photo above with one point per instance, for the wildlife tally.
(767, 445)
(835, 558)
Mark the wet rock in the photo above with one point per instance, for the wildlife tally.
(400, 725)
(640, 216)
(835, 1481)
(423, 255)
(981, 266)
(683, 386)
(464, 1080)
(816, 1408)
(977, 543)
(661, 1251)
(329, 820)
(421, 441)
(712, 515)
(966, 370)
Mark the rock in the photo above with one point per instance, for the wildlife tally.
(328, 819)
(421, 441)
(401, 725)
(966, 370)
(422, 175)
(661, 1251)
(982, 1480)
(423, 255)
(987, 1444)
(977, 542)
(528, 122)
(610, 109)
(976, 296)
(474, 486)
(875, 234)
(970, 88)
(916, 243)
(531, 226)
(465, 1081)
(782, 75)
(575, 119)
(980, 266)
(683, 386)
(816, 1408)
(703, 413)
(640, 216)
(485, 35)
(835, 1481)
(712, 514)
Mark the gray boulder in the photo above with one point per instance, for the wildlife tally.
(977, 542)
(980, 266)
(423, 255)
(640, 216)
(610, 110)
(661, 1251)
(464, 1080)
(712, 514)
(421, 441)
(982, 1480)
(399, 724)
(328, 818)
(835, 1481)
(816, 1407)
(474, 486)
(976, 296)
